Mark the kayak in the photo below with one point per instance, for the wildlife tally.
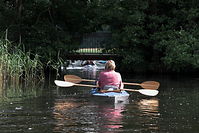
(90, 67)
(87, 67)
(110, 96)
(102, 62)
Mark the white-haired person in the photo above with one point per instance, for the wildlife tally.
(88, 62)
(109, 79)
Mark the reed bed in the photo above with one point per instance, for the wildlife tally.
(16, 65)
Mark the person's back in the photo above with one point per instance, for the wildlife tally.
(109, 78)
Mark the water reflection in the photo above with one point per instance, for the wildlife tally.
(21, 108)
(149, 106)
(11, 91)
(113, 116)
(87, 115)
(149, 110)
(90, 74)
(63, 115)
(142, 114)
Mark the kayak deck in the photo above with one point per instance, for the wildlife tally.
(113, 96)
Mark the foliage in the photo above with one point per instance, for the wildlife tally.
(180, 50)
(158, 36)
(151, 35)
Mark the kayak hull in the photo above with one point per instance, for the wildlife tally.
(87, 67)
(110, 96)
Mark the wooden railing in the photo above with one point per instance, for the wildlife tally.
(94, 43)
(92, 48)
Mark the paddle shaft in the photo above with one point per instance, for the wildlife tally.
(130, 90)
(95, 80)
(85, 85)
(142, 91)
(126, 83)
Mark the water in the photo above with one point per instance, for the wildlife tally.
(46, 108)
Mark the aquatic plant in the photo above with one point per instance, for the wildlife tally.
(17, 65)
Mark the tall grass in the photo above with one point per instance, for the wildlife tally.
(56, 64)
(16, 65)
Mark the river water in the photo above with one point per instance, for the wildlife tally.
(46, 108)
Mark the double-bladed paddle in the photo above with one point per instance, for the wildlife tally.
(152, 85)
(147, 92)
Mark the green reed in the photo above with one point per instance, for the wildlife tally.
(56, 64)
(17, 65)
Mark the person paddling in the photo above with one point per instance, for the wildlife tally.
(109, 79)
(88, 62)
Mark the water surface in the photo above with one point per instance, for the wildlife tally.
(46, 108)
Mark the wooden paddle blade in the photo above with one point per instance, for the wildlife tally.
(151, 85)
(72, 78)
(63, 83)
(148, 92)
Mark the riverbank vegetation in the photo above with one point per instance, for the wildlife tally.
(17, 66)
(157, 36)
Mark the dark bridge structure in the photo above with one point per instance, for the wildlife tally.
(92, 48)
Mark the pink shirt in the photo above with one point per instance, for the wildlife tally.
(109, 77)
